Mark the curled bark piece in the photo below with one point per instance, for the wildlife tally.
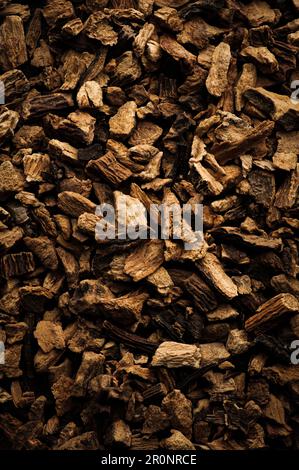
(145, 260)
(212, 270)
(279, 107)
(177, 51)
(74, 204)
(12, 40)
(44, 249)
(134, 341)
(268, 313)
(262, 57)
(17, 264)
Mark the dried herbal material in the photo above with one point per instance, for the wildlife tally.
(124, 342)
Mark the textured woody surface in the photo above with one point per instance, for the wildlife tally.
(170, 354)
(271, 310)
(142, 344)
